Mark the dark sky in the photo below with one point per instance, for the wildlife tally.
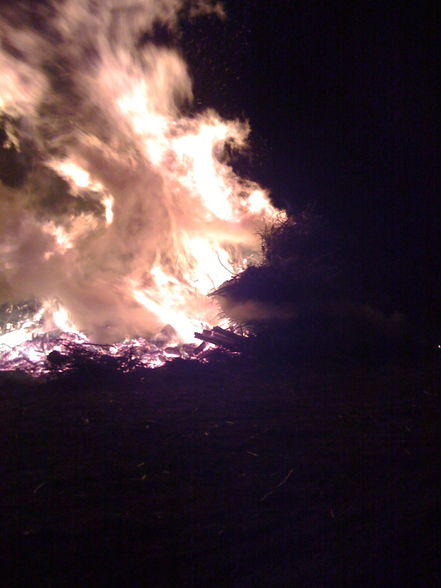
(342, 103)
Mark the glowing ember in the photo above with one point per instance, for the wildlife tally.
(153, 218)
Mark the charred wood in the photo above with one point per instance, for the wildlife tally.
(222, 338)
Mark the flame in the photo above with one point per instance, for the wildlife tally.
(108, 208)
(77, 176)
(155, 217)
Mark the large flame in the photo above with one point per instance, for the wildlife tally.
(155, 218)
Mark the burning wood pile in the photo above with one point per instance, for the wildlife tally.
(119, 211)
(55, 353)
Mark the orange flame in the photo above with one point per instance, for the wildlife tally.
(175, 220)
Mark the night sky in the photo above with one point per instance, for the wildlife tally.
(341, 101)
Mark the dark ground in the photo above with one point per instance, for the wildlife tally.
(227, 474)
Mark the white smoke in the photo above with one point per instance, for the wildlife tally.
(102, 111)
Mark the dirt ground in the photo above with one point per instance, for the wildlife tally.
(226, 474)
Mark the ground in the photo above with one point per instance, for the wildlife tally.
(225, 474)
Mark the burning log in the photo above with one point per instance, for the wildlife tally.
(223, 338)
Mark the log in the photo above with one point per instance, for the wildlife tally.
(223, 338)
(230, 334)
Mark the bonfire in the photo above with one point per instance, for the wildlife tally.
(120, 210)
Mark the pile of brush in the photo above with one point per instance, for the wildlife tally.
(303, 300)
